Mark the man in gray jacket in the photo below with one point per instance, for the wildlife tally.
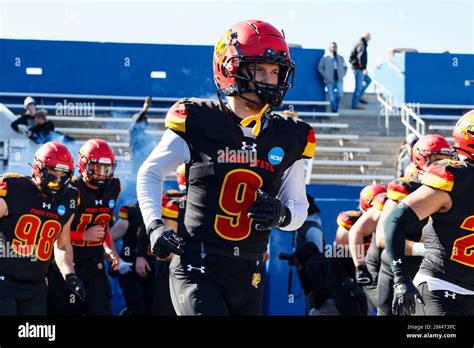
(333, 69)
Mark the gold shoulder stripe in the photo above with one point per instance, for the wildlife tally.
(395, 195)
(176, 117)
(437, 182)
(310, 147)
(169, 213)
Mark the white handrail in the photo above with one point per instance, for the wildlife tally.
(406, 114)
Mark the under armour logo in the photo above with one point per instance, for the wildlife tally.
(397, 261)
(448, 294)
(201, 269)
(252, 147)
(98, 201)
(46, 205)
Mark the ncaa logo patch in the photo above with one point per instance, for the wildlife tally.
(61, 210)
(111, 203)
(275, 156)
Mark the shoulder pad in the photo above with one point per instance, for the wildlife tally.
(397, 189)
(440, 174)
(176, 116)
(310, 147)
(123, 212)
(3, 182)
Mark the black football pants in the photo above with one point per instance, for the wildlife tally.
(17, 298)
(216, 285)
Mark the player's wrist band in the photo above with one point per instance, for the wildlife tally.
(418, 249)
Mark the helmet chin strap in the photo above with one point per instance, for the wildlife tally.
(257, 118)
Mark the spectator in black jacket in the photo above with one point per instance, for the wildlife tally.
(28, 118)
(358, 60)
(43, 129)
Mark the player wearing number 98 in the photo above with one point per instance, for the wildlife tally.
(90, 235)
(35, 220)
(445, 281)
(244, 168)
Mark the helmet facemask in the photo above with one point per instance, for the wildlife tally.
(99, 174)
(245, 78)
(51, 180)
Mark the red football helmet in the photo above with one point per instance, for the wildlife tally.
(427, 145)
(181, 176)
(97, 162)
(237, 54)
(50, 160)
(463, 135)
(368, 194)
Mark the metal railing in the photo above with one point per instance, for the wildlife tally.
(413, 123)
(385, 98)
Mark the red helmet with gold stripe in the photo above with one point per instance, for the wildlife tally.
(53, 167)
(97, 162)
(240, 49)
(368, 194)
(463, 135)
(428, 145)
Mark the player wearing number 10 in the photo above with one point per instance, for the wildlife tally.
(445, 281)
(35, 220)
(244, 169)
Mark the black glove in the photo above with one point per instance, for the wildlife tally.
(163, 240)
(269, 212)
(76, 286)
(363, 276)
(404, 295)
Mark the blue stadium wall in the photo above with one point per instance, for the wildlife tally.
(429, 78)
(123, 69)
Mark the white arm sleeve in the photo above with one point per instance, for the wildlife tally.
(170, 152)
(293, 195)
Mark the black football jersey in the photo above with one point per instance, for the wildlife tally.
(96, 208)
(449, 243)
(173, 204)
(397, 190)
(33, 223)
(227, 168)
(136, 226)
(373, 256)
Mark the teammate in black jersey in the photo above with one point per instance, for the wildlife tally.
(137, 287)
(241, 181)
(427, 150)
(90, 235)
(366, 259)
(35, 219)
(444, 284)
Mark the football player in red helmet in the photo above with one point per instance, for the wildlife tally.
(444, 284)
(35, 219)
(366, 259)
(431, 148)
(221, 230)
(428, 149)
(90, 235)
